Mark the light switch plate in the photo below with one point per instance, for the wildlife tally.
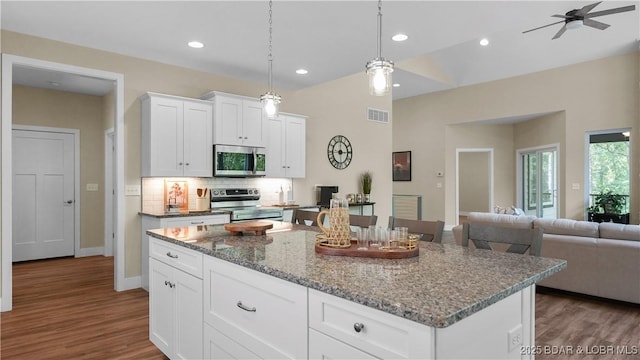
(575, 186)
(92, 187)
(132, 190)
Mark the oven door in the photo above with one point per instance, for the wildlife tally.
(257, 214)
(238, 161)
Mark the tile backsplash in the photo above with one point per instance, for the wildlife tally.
(153, 189)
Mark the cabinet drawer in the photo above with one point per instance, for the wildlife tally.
(324, 347)
(265, 314)
(381, 334)
(189, 261)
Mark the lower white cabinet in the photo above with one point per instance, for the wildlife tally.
(253, 315)
(325, 347)
(175, 311)
(152, 222)
(342, 329)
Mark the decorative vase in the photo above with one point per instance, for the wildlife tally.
(367, 198)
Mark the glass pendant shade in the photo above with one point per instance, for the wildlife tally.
(379, 71)
(270, 103)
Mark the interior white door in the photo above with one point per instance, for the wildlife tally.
(43, 194)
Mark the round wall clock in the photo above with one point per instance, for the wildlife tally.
(339, 152)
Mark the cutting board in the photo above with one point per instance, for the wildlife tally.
(258, 227)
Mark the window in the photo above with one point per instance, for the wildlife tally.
(609, 164)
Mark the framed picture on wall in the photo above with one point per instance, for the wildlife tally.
(401, 161)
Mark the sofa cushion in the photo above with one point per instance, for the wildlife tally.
(620, 231)
(567, 227)
(518, 222)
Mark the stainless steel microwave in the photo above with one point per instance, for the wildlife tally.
(238, 161)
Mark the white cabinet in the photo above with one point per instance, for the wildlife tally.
(286, 146)
(342, 329)
(152, 222)
(175, 301)
(252, 313)
(176, 136)
(237, 120)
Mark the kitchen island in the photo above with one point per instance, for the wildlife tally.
(449, 302)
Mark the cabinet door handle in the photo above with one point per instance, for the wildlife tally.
(187, 164)
(358, 327)
(239, 137)
(171, 285)
(180, 164)
(197, 222)
(245, 307)
(169, 254)
(245, 138)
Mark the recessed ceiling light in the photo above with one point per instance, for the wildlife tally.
(396, 85)
(484, 42)
(399, 37)
(302, 72)
(195, 44)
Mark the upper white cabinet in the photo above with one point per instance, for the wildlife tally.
(237, 120)
(286, 146)
(176, 136)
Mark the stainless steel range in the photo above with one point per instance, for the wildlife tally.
(244, 204)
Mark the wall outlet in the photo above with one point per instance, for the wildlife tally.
(439, 185)
(575, 186)
(132, 190)
(514, 338)
(92, 187)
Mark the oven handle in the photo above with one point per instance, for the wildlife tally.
(255, 161)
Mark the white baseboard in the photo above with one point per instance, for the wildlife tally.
(130, 283)
(90, 251)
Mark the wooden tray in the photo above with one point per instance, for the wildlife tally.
(371, 252)
(258, 227)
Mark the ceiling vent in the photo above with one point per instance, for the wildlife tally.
(377, 115)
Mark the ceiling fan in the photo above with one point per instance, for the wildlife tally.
(578, 17)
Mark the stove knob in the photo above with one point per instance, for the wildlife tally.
(256, 191)
(215, 192)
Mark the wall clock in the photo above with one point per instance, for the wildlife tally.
(339, 152)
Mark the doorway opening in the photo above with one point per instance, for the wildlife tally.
(474, 181)
(11, 63)
(538, 181)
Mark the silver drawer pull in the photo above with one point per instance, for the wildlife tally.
(245, 307)
(171, 255)
(358, 327)
(197, 222)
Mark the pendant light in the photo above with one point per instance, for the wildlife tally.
(270, 101)
(379, 69)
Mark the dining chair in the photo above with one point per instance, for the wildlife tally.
(304, 217)
(520, 240)
(430, 230)
(362, 220)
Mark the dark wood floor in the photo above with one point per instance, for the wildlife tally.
(67, 309)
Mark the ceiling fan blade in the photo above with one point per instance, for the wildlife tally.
(586, 9)
(595, 24)
(560, 32)
(560, 16)
(611, 11)
(541, 27)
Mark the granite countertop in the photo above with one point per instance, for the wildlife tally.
(441, 286)
(162, 214)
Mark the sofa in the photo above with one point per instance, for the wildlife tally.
(603, 259)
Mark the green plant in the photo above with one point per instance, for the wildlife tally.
(365, 180)
(607, 202)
